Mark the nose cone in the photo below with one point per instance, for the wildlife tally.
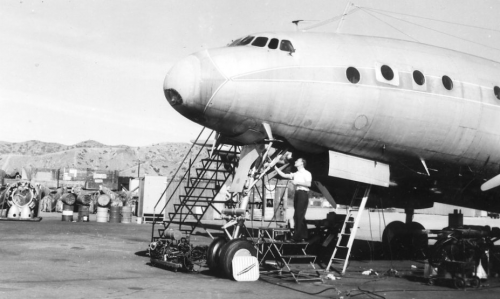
(182, 86)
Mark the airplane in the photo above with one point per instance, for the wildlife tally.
(418, 122)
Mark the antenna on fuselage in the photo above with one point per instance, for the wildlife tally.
(296, 22)
(346, 11)
(341, 17)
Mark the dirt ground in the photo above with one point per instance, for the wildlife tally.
(56, 259)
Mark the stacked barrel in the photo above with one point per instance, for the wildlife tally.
(68, 200)
(114, 206)
(102, 208)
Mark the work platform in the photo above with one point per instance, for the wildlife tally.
(274, 244)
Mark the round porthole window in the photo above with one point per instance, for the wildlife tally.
(352, 75)
(387, 72)
(447, 83)
(418, 77)
(496, 90)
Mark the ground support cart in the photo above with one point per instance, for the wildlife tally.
(462, 274)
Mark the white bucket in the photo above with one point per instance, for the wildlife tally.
(139, 220)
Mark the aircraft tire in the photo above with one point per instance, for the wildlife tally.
(213, 253)
(235, 247)
(400, 241)
(418, 241)
(392, 240)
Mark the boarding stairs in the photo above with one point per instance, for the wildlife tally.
(200, 189)
(347, 234)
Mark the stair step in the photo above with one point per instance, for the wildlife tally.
(206, 180)
(182, 217)
(192, 206)
(218, 160)
(220, 170)
(197, 187)
(181, 222)
(190, 197)
(219, 151)
(202, 201)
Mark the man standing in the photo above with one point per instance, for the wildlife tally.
(302, 181)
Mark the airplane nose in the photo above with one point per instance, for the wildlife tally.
(182, 84)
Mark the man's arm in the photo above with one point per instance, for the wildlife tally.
(282, 174)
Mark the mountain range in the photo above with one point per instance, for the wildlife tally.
(158, 159)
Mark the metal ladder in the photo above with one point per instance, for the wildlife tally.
(347, 234)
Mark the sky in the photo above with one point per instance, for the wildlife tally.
(71, 71)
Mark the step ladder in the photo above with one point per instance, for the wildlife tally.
(272, 246)
(347, 234)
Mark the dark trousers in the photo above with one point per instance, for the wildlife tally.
(300, 203)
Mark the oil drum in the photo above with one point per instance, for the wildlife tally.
(67, 213)
(102, 214)
(126, 214)
(115, 214)
(83, 213)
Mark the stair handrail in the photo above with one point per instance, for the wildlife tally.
(173, 177)
(184, 176)
(196, 183)
(180, 165)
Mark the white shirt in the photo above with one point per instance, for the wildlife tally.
(302, 179)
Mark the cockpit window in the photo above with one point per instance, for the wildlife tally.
(242, 41)
(260, 41)
(246, 41)
(286, 45)
(273, 44)
(234, 43)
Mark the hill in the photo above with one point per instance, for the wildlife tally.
(158, 159)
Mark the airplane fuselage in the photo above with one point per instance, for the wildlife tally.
(382, 99)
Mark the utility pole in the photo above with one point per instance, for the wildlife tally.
(139, 168)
